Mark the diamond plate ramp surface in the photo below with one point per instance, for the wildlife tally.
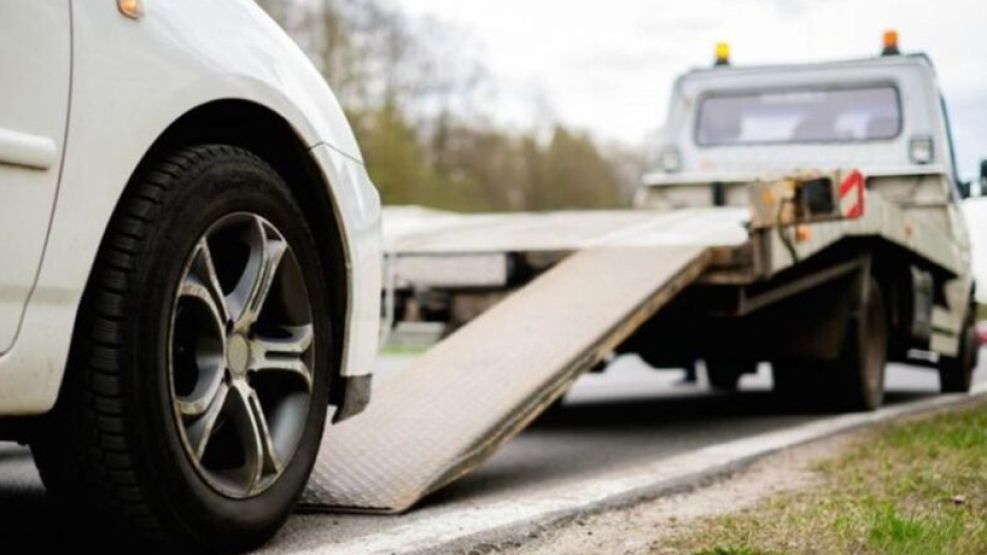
(459, 402)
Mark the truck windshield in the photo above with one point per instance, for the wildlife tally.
(799, 116)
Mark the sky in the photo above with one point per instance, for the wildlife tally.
(608, 67)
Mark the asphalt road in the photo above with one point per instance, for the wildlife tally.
(626, 416)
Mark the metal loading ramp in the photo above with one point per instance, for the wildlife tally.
(462, 400)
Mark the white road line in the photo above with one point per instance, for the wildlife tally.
(511, 519)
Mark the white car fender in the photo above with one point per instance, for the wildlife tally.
(131, 80)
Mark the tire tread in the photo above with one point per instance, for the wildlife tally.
(112, 480)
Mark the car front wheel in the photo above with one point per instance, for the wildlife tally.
(196, 395)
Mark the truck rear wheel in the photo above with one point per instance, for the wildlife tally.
(861, 366)
(956, 373)
(855, 379)
(197, 387)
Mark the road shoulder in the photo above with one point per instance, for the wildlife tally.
(645, 527)
(510, 523)
(911, 486)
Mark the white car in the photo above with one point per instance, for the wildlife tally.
(190, 264)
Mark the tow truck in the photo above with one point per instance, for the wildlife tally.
(802, 215)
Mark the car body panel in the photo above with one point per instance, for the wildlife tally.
(358, 207)
(134, 78)
(35, 58)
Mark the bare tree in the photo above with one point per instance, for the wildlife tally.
(415, 96)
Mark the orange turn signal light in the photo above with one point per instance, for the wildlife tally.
(890, 43)
(134, 9)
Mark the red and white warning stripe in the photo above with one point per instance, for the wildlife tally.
(853, 195)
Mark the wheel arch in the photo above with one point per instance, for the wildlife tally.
(266, 133)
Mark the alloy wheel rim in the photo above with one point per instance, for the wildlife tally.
(241, 355)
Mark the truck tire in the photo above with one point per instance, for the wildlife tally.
(196, 393)
(725, 375)
(855, 379)
(860, 368)
(956, 373)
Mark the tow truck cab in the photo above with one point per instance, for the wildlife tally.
(727, 126)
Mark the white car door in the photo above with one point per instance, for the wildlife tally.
(35, 71)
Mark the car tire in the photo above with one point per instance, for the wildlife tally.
(956, 373)
(725, 375)
(128, 451)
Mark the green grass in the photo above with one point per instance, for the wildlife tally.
(918, 488)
